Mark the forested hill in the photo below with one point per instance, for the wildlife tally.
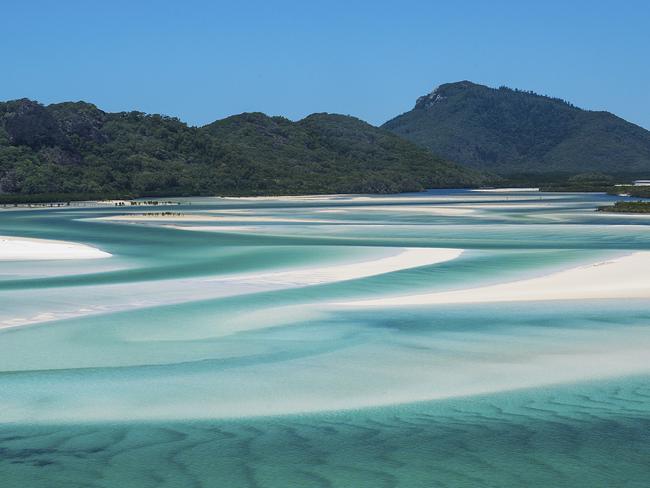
(514, 132)
(76, 148)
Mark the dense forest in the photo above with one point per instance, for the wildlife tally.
(74, 150)
(78, 150)
(522, 134)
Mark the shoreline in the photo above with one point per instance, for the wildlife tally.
(20, 200)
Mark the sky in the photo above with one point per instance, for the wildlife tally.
(204, 60)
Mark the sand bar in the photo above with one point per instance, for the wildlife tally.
(432, 210)
(210, 218)
(505, 189)
(624, 277)
(405, 258)
(380, 260)
(27, 249)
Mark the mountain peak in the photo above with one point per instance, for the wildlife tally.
(442, 92)
(510, 131)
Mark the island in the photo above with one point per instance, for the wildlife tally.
(639, 207)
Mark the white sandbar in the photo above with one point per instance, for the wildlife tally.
(505, 189)
(27, 249)
(422, 209)
(210, 218)
(624, 277)
(405, 258)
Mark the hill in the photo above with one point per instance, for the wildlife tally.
(334, 153)
(515, 132)
(76, 148)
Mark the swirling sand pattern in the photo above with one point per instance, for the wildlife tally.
(221, 357)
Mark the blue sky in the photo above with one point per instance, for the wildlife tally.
(202, 60)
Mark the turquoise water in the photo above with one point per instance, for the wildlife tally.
(183, 360)
(578, 436)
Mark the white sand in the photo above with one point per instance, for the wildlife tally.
(289, 197)
(509, 206)
(505, 189)
(250, 217)
(396, 198)
(108, 299)
(379, 372)
(210, 218)
(110, 202)
(404, 259)
(624, 277)
(214, 228)
(26, 249)
(432, 210)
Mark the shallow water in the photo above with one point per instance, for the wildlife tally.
(173, 364)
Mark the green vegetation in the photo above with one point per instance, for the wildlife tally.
(631, 190)
(627, 207)
(512, 132)
(71, 151)
(586, 182)
(11, 198)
